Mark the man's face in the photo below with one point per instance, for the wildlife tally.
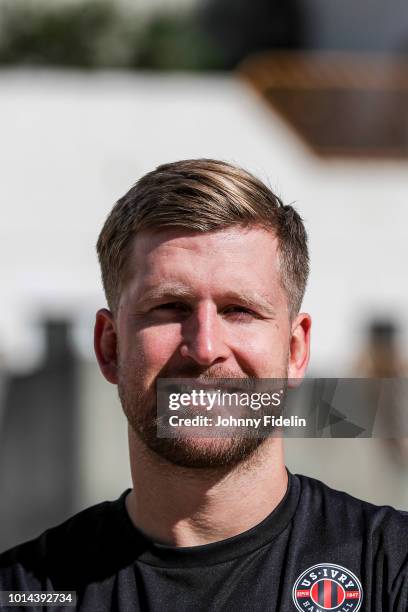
(199, 305)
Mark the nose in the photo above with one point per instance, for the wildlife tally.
(203, 337)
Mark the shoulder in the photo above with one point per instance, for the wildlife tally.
(315, 491)
(60, 551)
(334, 528)
(377, 528)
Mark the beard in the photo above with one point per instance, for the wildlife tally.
(139, 405)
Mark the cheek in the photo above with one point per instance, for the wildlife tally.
(264, 348)
(156, 345)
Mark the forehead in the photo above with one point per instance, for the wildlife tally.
(231, 245)
(230, 257)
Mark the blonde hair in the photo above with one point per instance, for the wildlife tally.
(202, 195)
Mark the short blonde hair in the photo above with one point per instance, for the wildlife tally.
(202, 195)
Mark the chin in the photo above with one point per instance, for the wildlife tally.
(203, 453)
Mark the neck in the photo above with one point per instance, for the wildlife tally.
(190, 507)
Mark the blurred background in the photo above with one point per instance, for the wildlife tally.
(310, 96)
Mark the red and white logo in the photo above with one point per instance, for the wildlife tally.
(327, 586)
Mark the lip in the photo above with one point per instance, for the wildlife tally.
(209, 386)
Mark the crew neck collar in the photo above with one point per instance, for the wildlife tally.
(152, 553)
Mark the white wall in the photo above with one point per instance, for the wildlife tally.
(73, 143)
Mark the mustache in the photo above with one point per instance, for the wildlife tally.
(194, 378)
(198, 373)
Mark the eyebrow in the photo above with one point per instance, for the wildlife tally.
(171, 291)
(165, 290)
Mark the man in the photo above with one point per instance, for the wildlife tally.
(204, 271)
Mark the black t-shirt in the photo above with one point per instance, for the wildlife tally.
(320, 549)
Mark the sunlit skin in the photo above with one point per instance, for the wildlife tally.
(202, 303)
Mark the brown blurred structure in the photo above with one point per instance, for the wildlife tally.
(38, 465)
(381, 358)
(340, 103)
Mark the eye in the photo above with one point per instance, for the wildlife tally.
(239, 312)
(172, 306)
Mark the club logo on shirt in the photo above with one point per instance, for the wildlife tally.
(327, 586)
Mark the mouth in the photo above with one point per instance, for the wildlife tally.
(214, 385)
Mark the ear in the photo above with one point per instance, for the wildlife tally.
(299, 348)
(105, 344)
